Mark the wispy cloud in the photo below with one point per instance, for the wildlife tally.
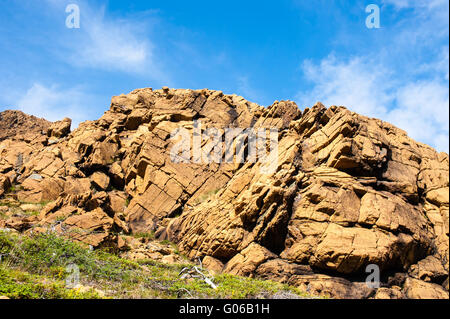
(416, 4)
(410, 92)
(247, 91)
(54, 103)
(355, 83)
(119, 44)
(422, 109)
(110, 43)
(419, 107)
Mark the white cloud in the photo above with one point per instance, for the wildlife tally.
(109, 43)
(428, 18)
(404, 81)
(112, 45)
(421, 108)
(354, 84)
(416, 4)
(54, 103)
(247, 91)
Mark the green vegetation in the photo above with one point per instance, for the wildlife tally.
(14, 188)
(31, 213)
(16, 203)
(150, 235)
(35, 267)
(206, 196)
(17, 284)
(10, 204)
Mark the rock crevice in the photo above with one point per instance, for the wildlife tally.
(347, 191)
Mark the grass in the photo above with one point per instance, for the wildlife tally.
(18, 284)
(206, 196)
(14, 208)
(17, 203)
(30, 213)
(168, 242)
(14, 188)
(35, 267)
(149, 235)
(10, 204)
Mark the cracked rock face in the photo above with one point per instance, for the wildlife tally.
(14, 123)
(347, 191)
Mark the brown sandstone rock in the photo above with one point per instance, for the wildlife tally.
(16, 123)
(214, 265)
(389, 293)
(92, 228)
(5, 184)
(418, 289)
(333, 287)
(93, 221)
(281, 270)
(60, 128)
(342, 219)
(347, 191)
(246, 262)
(100, 180)
(429, 269)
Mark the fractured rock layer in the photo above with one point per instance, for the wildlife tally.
(347, 191)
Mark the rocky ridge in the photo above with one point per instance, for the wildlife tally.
(348, 191)
(14, 123)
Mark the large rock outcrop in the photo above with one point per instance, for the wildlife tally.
(13, 123)
(346, 191)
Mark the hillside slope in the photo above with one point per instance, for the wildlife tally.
(14, 123)
(344, 192)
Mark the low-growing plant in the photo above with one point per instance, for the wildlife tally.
(150, 235)
(36, 266)
(206, 196)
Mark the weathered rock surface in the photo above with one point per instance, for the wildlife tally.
(60, 128)
(347, 191)
(5, 184)
(13, 123)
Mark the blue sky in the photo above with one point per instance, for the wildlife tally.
(305, 51)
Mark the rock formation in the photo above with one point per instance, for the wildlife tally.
(13, 123)
(347, 192)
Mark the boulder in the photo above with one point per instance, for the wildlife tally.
(246, 262)
(389, 293)
(214, 265)
(341, 192)
(60, 129)
(418, 289)
(5, 184)
(16, 124)
(92, 228)
(332, 287)
(429, 269)
(100, 180)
